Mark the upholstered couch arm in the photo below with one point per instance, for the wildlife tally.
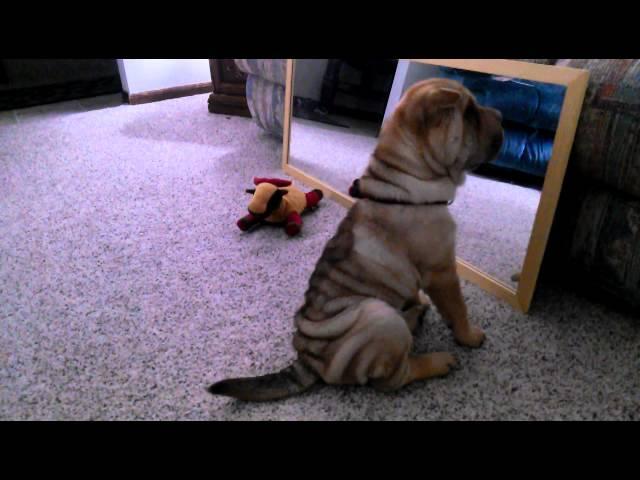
(607, 142)
(595, 239)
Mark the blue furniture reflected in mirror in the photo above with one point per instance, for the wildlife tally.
(530, 110)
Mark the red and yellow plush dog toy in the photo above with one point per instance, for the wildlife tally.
(277, 202)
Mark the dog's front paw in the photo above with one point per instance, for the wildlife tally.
(472, 337)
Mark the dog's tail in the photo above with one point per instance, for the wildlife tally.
(290, 381)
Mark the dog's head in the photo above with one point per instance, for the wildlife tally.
(440, 130)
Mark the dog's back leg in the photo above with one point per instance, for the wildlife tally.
(414, 316)
(429, 365)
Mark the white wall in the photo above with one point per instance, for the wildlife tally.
(397, 89)
(144, 75)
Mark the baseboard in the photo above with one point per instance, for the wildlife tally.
(22, 97)
(168, 93)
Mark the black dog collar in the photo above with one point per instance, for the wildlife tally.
(355, 192)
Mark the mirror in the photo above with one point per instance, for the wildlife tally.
(336, 108)
(337, 115)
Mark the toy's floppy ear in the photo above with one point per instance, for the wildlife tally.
(250, 190)
(276, 199)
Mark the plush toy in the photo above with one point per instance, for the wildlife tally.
(277, 202)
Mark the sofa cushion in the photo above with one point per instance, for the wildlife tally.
(606, 243)
(607, 142)
(525, 149)
(613, 83)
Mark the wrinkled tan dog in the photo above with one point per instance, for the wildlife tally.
(365, 296)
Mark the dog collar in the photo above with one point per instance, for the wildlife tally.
(355, 192)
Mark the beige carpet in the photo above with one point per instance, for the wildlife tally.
(126, 288)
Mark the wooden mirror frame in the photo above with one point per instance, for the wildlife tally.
(575, 81)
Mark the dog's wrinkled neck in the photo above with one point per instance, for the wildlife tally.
(399, 171)
(385, 184)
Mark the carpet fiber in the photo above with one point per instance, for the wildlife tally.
(126, 288)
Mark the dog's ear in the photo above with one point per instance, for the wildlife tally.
(432, 106)
(444, 98)
(442, 104)
(250, 190)
(444, 123)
